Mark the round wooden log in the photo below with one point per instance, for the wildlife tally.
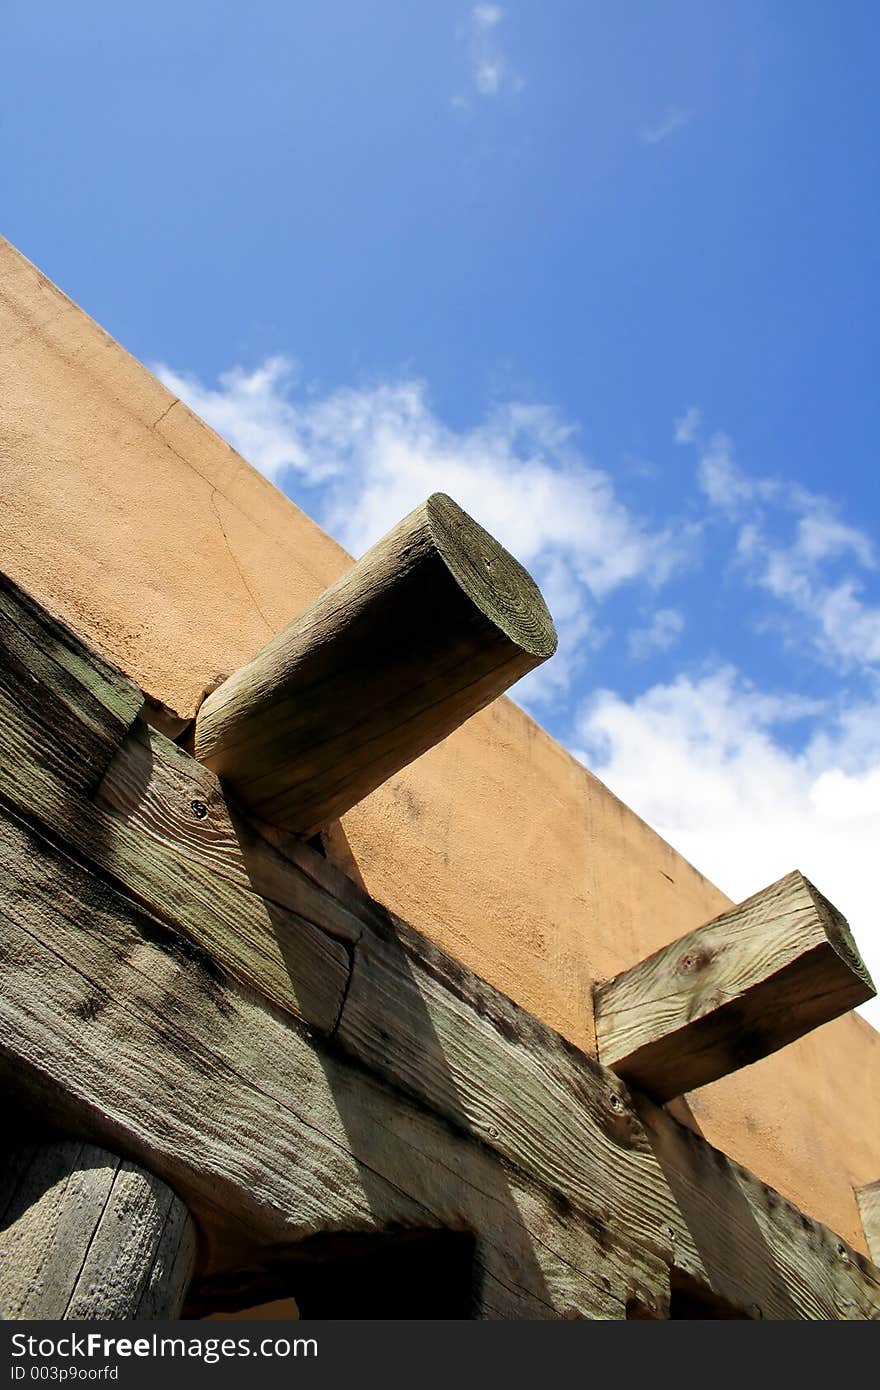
(432, 624)
(87, 1235)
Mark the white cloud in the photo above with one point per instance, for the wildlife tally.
(490, 71)
(720, 479)
(821, 536)
(791, 543)
(706, 761)
(687, 429)
(674, 119)
(661, 633)
(370, 455)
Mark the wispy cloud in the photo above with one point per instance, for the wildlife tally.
(675, 118)
(360, 458)
(489, 69)
(658, 635)
(688, 427)
(792, 545)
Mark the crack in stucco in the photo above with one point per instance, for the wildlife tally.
(233, 557)
(167, 411)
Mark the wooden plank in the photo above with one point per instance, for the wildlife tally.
(868, 1199)
(421, 1020)
(152, 843)
(429, 1072)
(233, 1133)
(199, 874)
(86, 1235)
(269, 1137)
(417, 1017)
(51, 683)
(426, 1024)
(749, 982)
(433, 623)
(736, 1225)
(153, 784)
(175, 844)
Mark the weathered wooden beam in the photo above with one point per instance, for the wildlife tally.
(747, 1244)
(58, 735)
(198, 873)
(51, 682)
(433, 1103)
(730, 992)
(113, 1029)
(868, 1199)
(86, 1234)
(433, 623)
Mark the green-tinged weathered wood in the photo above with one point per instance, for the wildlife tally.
(269, 1137)
(61, 704)
(731, 992)
(435, 1103)
(411, 1013)
(186, 868)
(418, 1017)
(734, 1223)
(433, 623)
(85, 1234)
(868, 1199)
(175, 844)
(162, 829)
(154, 786)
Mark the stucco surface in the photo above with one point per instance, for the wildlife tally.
(132, 521)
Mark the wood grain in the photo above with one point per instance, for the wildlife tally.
(61, 705)
(797, 1268)
(112, 1028)
(749, 982)
(143, 1004)
(153, 822)
(434, 622)
(868, 1199)
(87, 1235)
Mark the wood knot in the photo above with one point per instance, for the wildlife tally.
(694, 961)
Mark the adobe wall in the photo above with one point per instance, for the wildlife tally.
(133, 522)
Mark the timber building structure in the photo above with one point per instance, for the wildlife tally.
(329, 983)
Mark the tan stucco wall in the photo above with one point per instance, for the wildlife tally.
(132, 521)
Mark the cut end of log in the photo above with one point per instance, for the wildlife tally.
(493, 580)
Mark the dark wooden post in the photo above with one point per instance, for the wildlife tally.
(428, 627)
(85, 1234)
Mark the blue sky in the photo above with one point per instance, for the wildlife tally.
(606, 273)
